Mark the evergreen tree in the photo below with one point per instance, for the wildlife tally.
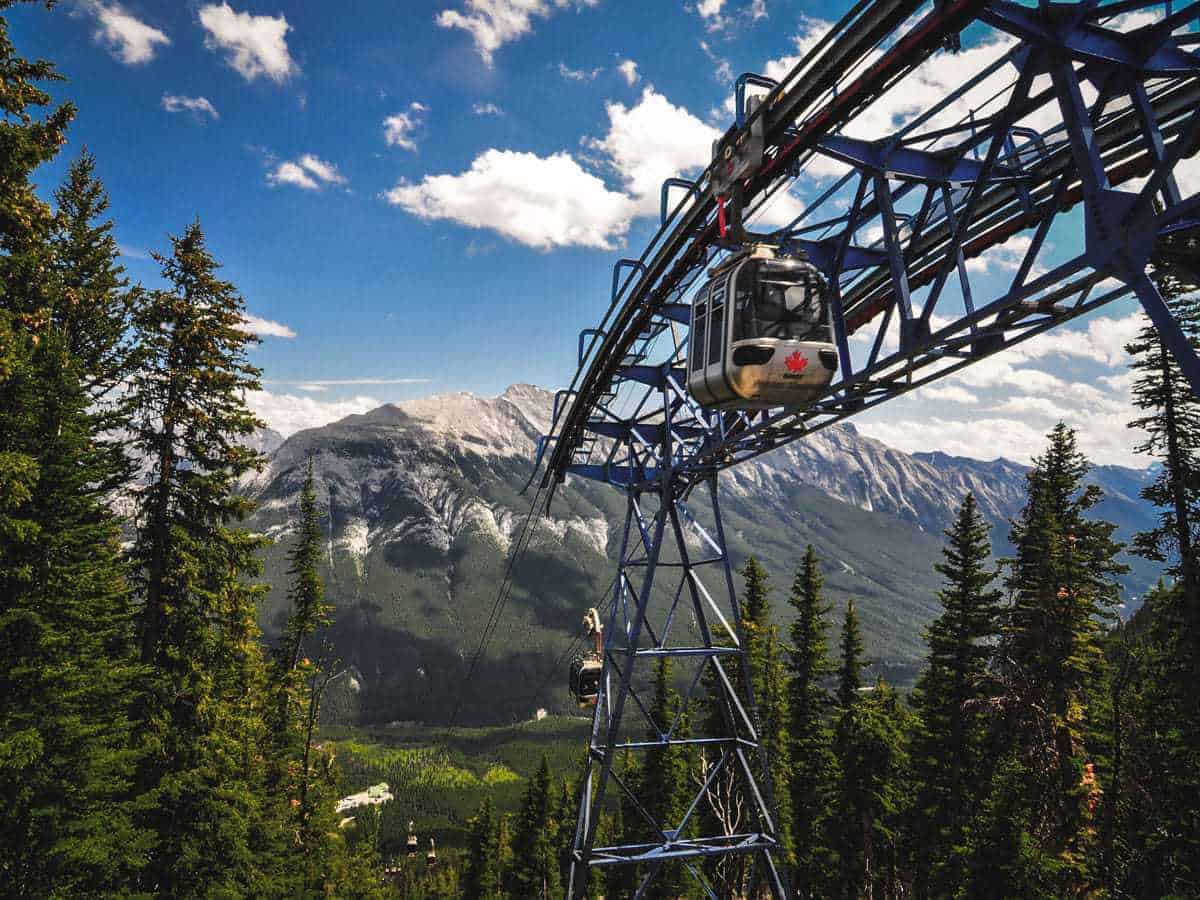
(1170, 657)
(1003, 859)
(535, 858)
(1171, 423)
(1061, 581)
(949, 757)
(306, 596)
(67, 668)
(847, 833)
(665, 783)
(66, 623)
(94, 311)
(202, 714)
(760, 639)
(811, 752)
(622, 881)
(483, 877)
(851, 663)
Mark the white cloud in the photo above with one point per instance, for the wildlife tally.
(1103, 341)
(578, 74)
(652, 141)
(398, 129)
(722, 70)
(253, 45)
(949, 393)
(127, 38)
(487, 109)
(323, 383)
(289, 413)
(542, 202)
(710, 12)
(983, 437)
(198, 106)
(493, 23)
(629, 71)
(266, 328)
(308, 172)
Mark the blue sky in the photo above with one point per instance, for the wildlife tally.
(423, 197)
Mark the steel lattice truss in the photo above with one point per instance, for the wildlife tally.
(1072, 119)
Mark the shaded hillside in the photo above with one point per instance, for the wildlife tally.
(422, 501)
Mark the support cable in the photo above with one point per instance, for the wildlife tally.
(524, 537)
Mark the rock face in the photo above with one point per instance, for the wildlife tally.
(422, 504)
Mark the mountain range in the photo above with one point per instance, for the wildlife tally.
(421, 502)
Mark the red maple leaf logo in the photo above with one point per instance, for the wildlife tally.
(795, 362)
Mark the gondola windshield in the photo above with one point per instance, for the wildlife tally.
(781, 299)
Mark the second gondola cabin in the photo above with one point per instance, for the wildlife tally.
(761, 333)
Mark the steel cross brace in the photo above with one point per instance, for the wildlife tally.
(674, 598)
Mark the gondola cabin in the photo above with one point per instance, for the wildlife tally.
(585, 678)
(761, 334)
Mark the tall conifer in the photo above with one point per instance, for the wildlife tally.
(202, 715)
(535, 868)
(1061, 582)
(811, 751)
(66, 669)
(949, 753)
(483, 875)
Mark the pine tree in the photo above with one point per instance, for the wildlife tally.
(761, 643)
(1171, 424)
(535, 859)
(619, 881)
(811, 752)
(1170, 705)
(665, 781)
(306, 595)
(851, 663)
(66, 623)
(949, 757)
(202, 714)
(94, 311)
(67, 668)
(1061, 581)
(870, 749)
(483, 876)
(846, 834)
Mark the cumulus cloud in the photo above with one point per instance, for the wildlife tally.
(309, 172)
(197, 106)
(398, 129)
(629, 71)
(554, 201)
(254, 46)
(652, 141)
(127, 38)
(1078, 375)
(265, 327)
(494, 23)
(289, 413)
(541, 202)
(487, 109)
(950, 393)
(1103, 341)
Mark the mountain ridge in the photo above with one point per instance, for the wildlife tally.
(422, 503)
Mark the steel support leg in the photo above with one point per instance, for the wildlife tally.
(684, 608)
